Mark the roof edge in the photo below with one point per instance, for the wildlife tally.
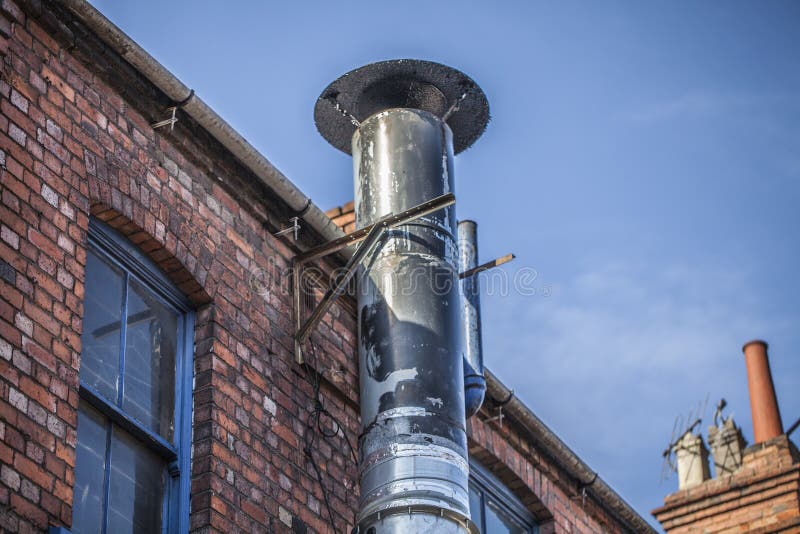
(193, 105)
(566, 459)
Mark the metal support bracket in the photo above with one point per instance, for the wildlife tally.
(370, 235)
(499, 405)
(294, 228)
(169, 121)
(486, 266)
(499, 417)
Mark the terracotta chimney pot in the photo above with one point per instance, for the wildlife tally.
(763, 403)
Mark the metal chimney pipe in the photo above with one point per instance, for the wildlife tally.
(763, 402)
(474, 381)
(401, 120)
(413, 449)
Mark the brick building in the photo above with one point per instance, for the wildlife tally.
(148, 379)
(756, 488)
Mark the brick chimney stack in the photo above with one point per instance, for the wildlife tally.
(758, 494)
(763, 403)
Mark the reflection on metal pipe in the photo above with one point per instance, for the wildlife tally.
(413, 448)
(474, 382)
(413, 445)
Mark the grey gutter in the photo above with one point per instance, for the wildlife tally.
(544, 439)
(198, 110)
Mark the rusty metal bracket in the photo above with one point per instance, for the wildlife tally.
(370, 235)
(486, 266)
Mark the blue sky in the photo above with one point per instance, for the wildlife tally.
(643, 158)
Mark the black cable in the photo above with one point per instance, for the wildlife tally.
(310, 457)
(336, 424)
(314, 423)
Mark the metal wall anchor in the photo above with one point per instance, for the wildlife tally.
(171, 120)
(294, 228)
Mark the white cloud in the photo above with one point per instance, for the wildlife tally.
(706, 102)
(617, 353)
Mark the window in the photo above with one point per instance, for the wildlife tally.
(494, 509)
(134, 417)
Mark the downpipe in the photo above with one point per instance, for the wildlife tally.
(474, 381)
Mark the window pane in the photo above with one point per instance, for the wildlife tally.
(475, 507)
(498, 521)
(90, 462)
(150, 346)
(101, 326)
(136, 486)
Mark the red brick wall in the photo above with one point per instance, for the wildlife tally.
(763, 496)
(72, 146)
(344, 216)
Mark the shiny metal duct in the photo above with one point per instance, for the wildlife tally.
(474, 381)
(413, 446)
(413, 449)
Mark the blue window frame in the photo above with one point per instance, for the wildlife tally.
(132, 466)
(493, 508)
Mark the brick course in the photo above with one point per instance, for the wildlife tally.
(762, 496)
(344, 216)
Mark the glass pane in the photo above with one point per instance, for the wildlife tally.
(90, 465)
(498, 521)
(136, 486)
(101, 326)
(475, 507)
(152, 339)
